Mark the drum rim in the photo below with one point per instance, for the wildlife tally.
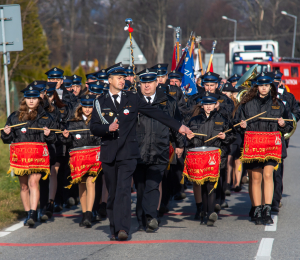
(211, 148)
(84, 148)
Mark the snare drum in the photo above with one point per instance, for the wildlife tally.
(203, 164)
(84, 160)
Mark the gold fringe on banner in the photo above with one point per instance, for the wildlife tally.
(22, 172)
(79, 180)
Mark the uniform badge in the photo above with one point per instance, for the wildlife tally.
(55, 69)
(75, 77)
(87, 96)
(23, 130)
(98, 83)
(47, 87)
(126, 112)
(35, 83)
(110, 113)
(65, 77)
(208, 73)
(147, 71)
(263, 74)
(159, 65)
(235, 75)
(78, 136)
(30, 88)
(103, 114)
(173, 71)
(103, 70)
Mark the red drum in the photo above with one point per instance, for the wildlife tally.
(203, 164)
(29, 157)
(262, 146)
(84, 160)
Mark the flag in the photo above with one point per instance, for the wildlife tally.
(188, 85)
(173, 67)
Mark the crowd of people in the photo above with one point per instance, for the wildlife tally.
(96, 144)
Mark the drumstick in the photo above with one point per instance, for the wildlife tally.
(77, 130)
(199, 134)
(14, 125)
(270, 118)
(42, 129)
(234, 126)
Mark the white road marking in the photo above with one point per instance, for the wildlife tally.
(15, 227)
(3, 233)
(272, 227)
(265, 249)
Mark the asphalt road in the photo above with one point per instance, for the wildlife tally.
(179, 235)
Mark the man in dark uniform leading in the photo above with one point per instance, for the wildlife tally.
(114, 118)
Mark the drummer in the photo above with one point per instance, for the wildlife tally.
(85, 179)
(207, 120)
(263, 97)
(29, 173)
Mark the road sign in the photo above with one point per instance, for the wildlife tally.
(125, 54)
(13, 28)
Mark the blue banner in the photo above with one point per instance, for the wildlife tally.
(188, 85)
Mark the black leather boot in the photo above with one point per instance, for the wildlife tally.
(203, 218)
(266, 214)
(26, 219)
(251, 213)
(258, 216)
(88, 219)
(83, 218)
(32, 218)
(50, 209)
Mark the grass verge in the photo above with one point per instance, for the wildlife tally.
(11, 208)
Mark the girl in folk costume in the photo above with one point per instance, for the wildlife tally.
(84, 156)
(263, 143)
(29, 155)
(208, 121)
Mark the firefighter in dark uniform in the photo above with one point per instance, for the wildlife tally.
(114, 119)
(56, 75)
(101, 75)
(234, 79)
(291, 105)
(130, 74)
(153, 139)
(67, 81)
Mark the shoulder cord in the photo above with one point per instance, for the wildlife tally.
(97, 105)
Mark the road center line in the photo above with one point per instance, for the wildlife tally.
(265, 249)
(272, 227)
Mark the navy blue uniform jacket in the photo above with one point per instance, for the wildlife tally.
(122, 144)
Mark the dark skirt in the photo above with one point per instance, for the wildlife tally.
(256, 165)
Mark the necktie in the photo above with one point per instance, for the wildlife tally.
(117, 104)
(149, 99)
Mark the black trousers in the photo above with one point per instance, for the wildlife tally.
(277, 177)
(44, 191)
(176, 175)
(98, 191)
(147, 179)
(208, 197)
(220, 191)
(118, 176)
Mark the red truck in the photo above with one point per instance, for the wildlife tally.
(289, 67)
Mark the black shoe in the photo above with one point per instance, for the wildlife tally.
(237, 189)
(26, 219)
(58, 208)
(102, 210)
(251, 213)
(49, 209)
(180, 196)
(202, 218)
(227, 190)
(275, 209)
(88, 219)
(217, 208)
(83, 218)
(140, 228)
(257, 216)
(70, 203)
(224, 205)
(266, 214)
(213, 217)
(151, 225)
(42, 216)
(163, 209)
(96, 216)
(32, 218)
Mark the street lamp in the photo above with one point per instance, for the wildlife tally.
(295, 28)
(235, 23)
